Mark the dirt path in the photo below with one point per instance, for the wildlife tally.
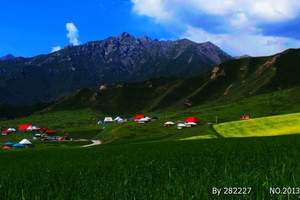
(94, 143)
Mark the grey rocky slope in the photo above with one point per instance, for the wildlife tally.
(123, 58)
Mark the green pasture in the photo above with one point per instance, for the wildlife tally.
(157, 170)
(260, 127)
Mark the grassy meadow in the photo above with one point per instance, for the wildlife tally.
(149, 161)
(81, 123)
(158, 170)
(260, 127)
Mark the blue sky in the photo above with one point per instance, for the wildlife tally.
(32, 27)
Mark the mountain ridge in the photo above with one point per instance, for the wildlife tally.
(124, 58)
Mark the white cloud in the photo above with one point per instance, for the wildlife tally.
(72, 33)
(151, 8)
(56, 48)
(263, 10)
(247, 43)
(240, 20)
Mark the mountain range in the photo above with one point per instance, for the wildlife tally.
(230, 81)
(125, 74)
(121, 59)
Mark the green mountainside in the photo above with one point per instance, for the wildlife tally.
(232, 80)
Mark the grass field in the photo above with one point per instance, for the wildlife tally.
(82, 123)
(79, 123)
(159, 170)
(282, 102)
(265, 126)
(153, 162)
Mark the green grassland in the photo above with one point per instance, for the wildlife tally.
(265, 126)
(159, 170)
(82, 123)
(258, 106)
(149, 161)
(79, 123)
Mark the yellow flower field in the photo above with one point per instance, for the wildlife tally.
(266, 126)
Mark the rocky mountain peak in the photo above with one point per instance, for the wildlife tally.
(119, 59)
(7, 57)
(125, 35)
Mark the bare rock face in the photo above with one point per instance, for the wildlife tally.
(114, 60)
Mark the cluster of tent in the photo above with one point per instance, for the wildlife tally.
(7, 131)
(21, 128)
(108, 120)
(27, 128)
(43, 134)
(46, 134)
(22, 144)
(140, 118)
(187, 123)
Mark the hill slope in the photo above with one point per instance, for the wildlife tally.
(246, 77)
(230, 81)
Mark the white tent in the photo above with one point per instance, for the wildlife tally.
(11, 130)
(120, 119)
(33, 128)
(145, 119)
(148, 118)
(191, 123)
(108, 120)
(181, 125)
(169, 123)
(188, 125)
(25, 142)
